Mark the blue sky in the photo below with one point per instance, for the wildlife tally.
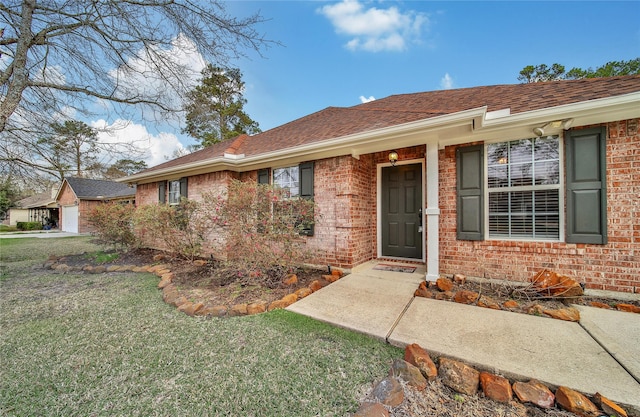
(449, 45)
(337, 53)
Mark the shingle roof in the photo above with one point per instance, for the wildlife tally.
(38, 200)
(335, 122)
(91, 189)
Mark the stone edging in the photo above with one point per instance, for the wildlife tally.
(418, 368)
(171, 294)
(442, 290)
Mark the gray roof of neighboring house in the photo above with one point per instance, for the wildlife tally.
(89, 189)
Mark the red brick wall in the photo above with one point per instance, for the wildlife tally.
(346, 206)
(614, 266)
(147, 194)
(343, 230)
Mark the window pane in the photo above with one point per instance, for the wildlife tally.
(547, 202)
(499, 225)
(521, 202)
(498, 176)
(547, 172)
(547, 148)
(498, 203)
(520, 151)
(521, 226)
(521, 174)
(547, 226)
(497, 153)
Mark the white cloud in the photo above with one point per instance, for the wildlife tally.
(364, 99)
(446, 82)
(142, 145)
(374, 29)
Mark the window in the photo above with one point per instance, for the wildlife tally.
(174, 192)
(523, 188)
(289, 179)
(297, 180)
(524, 192)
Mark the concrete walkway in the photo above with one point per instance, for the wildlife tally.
(41, 235)
(599, 354)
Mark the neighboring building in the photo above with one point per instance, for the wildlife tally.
(78, 196)
(496, 181)
(40, 208)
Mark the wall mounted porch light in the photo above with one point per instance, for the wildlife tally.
(393, 158)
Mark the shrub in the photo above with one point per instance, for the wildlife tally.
(29, 225)
(260, 229)
(181, 229)
(113, 224)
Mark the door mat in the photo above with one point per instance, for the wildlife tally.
(396, 268)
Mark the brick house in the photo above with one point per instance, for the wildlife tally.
(494, 181)
(76, 198)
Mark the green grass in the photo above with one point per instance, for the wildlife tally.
(101, 257)
(106, 345)
(5, 229)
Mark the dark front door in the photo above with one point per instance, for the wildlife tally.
(401, 214)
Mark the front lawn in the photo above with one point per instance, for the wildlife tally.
(79, 345)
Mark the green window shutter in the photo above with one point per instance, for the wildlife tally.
(586, 186)
(162, 191)
(306, 190)
(470, 192)
(183, 187)
(263, 176)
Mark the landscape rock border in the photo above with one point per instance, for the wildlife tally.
(443, 289)
(417, 368)
(171, 294)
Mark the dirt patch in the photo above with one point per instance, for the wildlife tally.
(201, 284)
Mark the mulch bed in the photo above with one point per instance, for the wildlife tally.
(203, 284)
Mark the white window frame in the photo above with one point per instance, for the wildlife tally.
(560, 187)
(273, 180)
(173, 195)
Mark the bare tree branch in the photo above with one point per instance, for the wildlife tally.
(61, 54)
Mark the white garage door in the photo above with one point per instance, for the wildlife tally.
(70, 219)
